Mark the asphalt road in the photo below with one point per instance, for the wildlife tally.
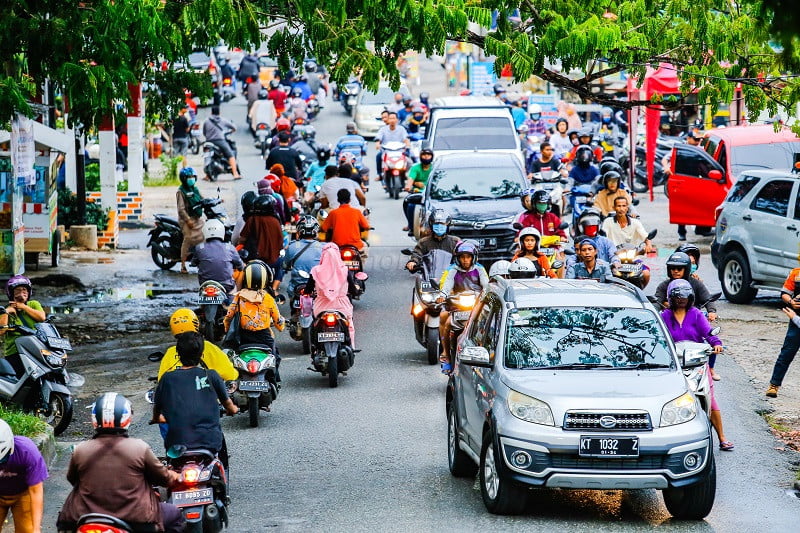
(371, 455)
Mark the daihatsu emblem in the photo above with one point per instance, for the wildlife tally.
(608, 422)
(478, 225)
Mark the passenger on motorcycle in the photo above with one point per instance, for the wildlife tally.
(114, 474)
(214, 129)
(585, 138)
(416, 121)
(277, 96)
(262, 236)
(608, 132)
(190, 213)
(583, 172)
(188, 400)
(286, 156)
(288, 188)
(332, 281)
(185, 321)
(283, 124)
(694, 254)
(215, 259)
(298, 108)
(316, 170)
(261, 112)
(547, 162)
(686, 323)
(267, 187)
(537, 213)
(257, 308)
(439, 239)
(304, 253)
(588, 266)
(351, 142)
(529, 249)
(560, 141)
(302, 85)
(604, 199)
(536, 126)
(464, 275)
(21, 311)
(343, 225)
(589, 223)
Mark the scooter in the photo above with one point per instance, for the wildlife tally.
(580, 199)
(631, 268)
(424, 310)
(553, 183)
(263, 138)
(349, 96)
(201, 492)
(228, 92)
(257, 386)
(214, 161)
(301, 315)
(195, 132)
(42, 389)
(395, 167)
(211, 298)
(460, 307)
(352, 258)
(102, 523)
(694, 362)
(166, 237)
(331, 348)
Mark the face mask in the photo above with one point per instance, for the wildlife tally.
(541, 208)
(439, 229)
(606, 120)
(536, 116)
(693, 269)
(425, 161)
(575, 142)
(191, 181)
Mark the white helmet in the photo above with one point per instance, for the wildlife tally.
(499, 268)
(6, 439)
(214, 229)
(522, 267)
(533, 109)
(530, 231)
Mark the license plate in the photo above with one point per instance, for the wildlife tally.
(259, 386)
(461, 315)
(190, 498)
(352, 264)
(291, 229)
(296, 304)
(548, 251)
(609, 447)
(487, 243)
(629, 267)
(59, 342)
(210, 300)
(330, 336)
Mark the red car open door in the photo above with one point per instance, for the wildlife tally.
(697, 185)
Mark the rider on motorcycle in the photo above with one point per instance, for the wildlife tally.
(584, 172)
(262, 235)
(679, 266)
(256, 307)
(261, 112)
(604, 199)
(351, 142)
(316, 170)
(345, 224)
(589, 223)
(21, 311)
(114, 474)
(417, 180)
(214, 129)
(190, 213)
(537, 213)
(465, 274)
(439, 239)
(529, 248)
(216, 259)
(331, 281)
(304, 253)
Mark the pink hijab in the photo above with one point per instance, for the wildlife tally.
(330, 275)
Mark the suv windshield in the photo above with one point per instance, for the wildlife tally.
(547, 337)
(760, 156)
(385, 95)
(469, 133)
(474, 183)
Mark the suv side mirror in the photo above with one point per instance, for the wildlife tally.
(715, 175)
(475, 356)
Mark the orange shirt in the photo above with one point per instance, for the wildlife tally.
(790, 285)
(346, 224)
(544, 264)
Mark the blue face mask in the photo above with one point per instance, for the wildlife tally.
(191, 181)
(439, 229)
(693, 269)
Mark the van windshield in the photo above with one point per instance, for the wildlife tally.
(469, 133)
(780, 156)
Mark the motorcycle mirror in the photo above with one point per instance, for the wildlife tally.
(362, 276)
(564, 225)
(715, 331)
(155, 357)
(516, 225)
(149, 396)
(652, 234)
(556, 265)
(405, 251)
(281, 299)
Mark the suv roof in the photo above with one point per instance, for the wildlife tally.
(546, 292)
(771, 173)
(467, 101)
(475, 158)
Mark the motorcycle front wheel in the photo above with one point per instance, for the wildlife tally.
(158, 253)
(432, 345)
(60, 412)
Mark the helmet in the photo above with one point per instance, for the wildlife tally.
(187, 173)
(423, 97)
(523, 128)
(274, 84)
(257, 276)
(324, 152)
(6, 440)
(283, 124)
(466, 247)
(500, 268)
(310, 66)
(611, 175)
(264, 204)
(425, 152)
(522, 267)
(609, 164)
(607, 111)
(584, 156)
(18, 281)
(498, 88)
(262, 94)
(680, 259)
(307, 227)
(541, 197)
(690, 250)
(561, 120)
(530, 231)
(213, 229)
(535, 109)
(297, 91)
(183, 320)
(346, 157)
(586, 132)
(111, 411)
(247, 202)
(525, 198)
(680, 288)
(589, 222)
(439, 216)
(351, 127)
(407, 100)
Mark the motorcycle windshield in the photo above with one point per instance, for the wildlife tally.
(436, 262)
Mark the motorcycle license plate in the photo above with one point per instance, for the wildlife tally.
(291, 228)
(352, 264)
(629, 267)
(548, 251)
(190, 498)
(487, 243)
(461, 315)
(330, 336)
(59, 342)
(609, 447)
(210, 300)
(253, 386)
(296, 304)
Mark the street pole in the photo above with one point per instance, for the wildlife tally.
(80, 179)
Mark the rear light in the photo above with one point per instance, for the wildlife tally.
(191, 474)
(253, 366)
(211, 291)
(193, 515)
(99, 528)
(330, 319)
(261, 127)
(226, 81)
(347, 254)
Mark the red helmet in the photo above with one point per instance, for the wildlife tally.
(283, 124)
(274, 181)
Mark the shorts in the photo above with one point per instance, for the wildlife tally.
(180, 146)
(21, 508)
(224, 147)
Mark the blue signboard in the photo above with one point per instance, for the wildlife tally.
(481, 77)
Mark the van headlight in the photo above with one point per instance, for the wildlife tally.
(530, 409)
(680, 410)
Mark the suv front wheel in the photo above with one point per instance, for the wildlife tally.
(500, 496)
(695, 501)
(735, 277)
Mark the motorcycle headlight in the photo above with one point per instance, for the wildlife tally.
(427, 297)
(680, 410)
(399, 165)
(466, 300)
(529, 409)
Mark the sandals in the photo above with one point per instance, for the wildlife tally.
(726, 446)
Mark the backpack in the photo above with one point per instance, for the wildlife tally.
(254, 316)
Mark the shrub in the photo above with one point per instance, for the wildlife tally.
(68, 210)
(22, 424)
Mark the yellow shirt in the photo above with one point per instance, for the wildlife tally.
(213, 358)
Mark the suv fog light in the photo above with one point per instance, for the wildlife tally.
(692, 461)
(521, 459)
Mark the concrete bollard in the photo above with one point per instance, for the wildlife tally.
(84, 236)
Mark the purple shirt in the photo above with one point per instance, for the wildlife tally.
(695, 327)
(25, 468)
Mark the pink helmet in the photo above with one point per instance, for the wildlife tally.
(18, 281)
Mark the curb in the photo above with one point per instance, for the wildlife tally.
(46, 442)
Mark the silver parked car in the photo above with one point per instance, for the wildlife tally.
(575, 384)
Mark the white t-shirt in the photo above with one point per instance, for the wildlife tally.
(633, 233)
(331, 186)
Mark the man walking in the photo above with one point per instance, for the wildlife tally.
(790, 294)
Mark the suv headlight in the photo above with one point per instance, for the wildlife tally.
(680, 410)
(530, 409)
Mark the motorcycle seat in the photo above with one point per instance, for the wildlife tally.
(262, 347)
(168, 219)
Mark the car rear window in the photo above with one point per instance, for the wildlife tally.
(469, 133)
(740, 189)
(385, 95)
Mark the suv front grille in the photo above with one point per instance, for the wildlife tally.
(644, 462)
(628, 421)
(502, 239)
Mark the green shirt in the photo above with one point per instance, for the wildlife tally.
(419, 176)
(21, 318)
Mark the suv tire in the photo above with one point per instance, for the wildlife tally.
(735, 278)
(459, 462)
(695, 501)
(500, 495)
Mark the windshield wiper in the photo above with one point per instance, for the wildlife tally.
(578, 366)
(466, 197)
(646, 365)
(507, 195)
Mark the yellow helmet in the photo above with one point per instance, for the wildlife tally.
(257, 275)
(183, 320)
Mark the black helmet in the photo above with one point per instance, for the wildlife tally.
(609, 164)
(611, 175)
(264, 205)
(426, 152)
(307, 227)
(423, 97)
(690, 250)
(257, 276)
(682, 260)
(498, 88)
(263, 94)
(584, 156)
(541, 197)
(324, 152)
(589, 222)
(560, 121)
(439, 216)
(274, 84)
(247, 201)
(310, 66)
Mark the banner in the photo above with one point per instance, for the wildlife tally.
(481, 77)
(23, 150)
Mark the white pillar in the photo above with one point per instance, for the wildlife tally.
(135, 154)
(71, 170)
(108, 162)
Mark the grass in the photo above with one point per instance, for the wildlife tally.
(22, 424)
(161, 181)
(777, 426)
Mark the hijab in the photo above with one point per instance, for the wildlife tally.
(330, 275)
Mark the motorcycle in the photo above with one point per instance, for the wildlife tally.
(195, 132)
(102, 523)
(211, 298)
(43, 387)
(580, 199)
(313, 108)
(228, 92)
(349, 96)
(631, 268)
(331, 350)
(201, 492)
(263, 138)
(395, 167)
(424, 310)
(352, 258)
(694, 362)
(257, 386)
(553, 183)
(301, 314)
(460, 307)
(416, 144)
(166, 237)
(214, 161)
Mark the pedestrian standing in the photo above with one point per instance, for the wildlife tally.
(23, 471)
(180, 136)
(790, 294)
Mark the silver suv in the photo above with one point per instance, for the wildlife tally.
(758, 226)
(575, 384)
